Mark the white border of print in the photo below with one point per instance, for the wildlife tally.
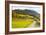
(24, 29)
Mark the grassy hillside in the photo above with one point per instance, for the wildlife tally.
(21, 20)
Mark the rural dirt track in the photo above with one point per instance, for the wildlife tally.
(32, 25)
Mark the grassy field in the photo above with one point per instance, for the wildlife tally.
(21, 22)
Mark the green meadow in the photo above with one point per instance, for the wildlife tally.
(21, 22)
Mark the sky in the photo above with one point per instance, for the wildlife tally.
(35, 8)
